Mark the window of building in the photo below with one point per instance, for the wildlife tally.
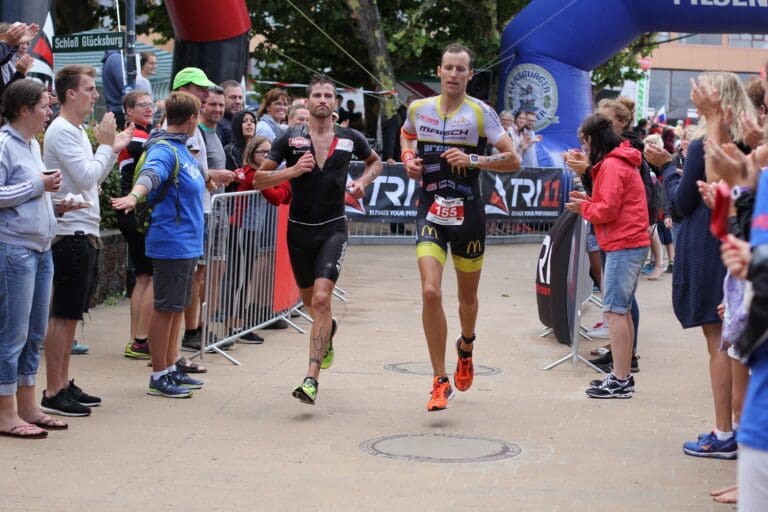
(658, 88)
(748, 40)
(708, 39)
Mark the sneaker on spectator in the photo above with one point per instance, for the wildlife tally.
(182, 379)
(279, 324)
(670, 266)
(605, 363)
(192, 340)
(249, 338)
(711, 447)
(137, 350)
(600, 332)
(63, 404)
(78, 349)
(165, 386)
(598, 382)
(81, 396)
(611, 387)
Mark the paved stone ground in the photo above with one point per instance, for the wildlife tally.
(243, 443)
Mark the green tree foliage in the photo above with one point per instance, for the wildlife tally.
(416, 32)
(623, 66)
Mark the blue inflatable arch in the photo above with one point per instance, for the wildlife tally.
(554, 44)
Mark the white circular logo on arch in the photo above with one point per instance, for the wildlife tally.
(531, 88)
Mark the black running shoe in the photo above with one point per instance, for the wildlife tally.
(278, 324)
(192, 340)
(597, 382)
(608, 367)
(611, 387)
(82, 397)
(63, 404)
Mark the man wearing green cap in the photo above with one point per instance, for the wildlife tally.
(195, 82)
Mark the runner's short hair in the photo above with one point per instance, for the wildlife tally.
(69, 77)
(458, 48)
(180, 106)
(317, 80)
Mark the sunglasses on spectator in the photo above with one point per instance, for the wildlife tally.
(144, 105)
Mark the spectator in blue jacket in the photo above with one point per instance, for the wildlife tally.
(174, 240)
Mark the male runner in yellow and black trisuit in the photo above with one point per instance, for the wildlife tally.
(442, 138)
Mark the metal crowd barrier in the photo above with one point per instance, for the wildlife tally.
(241, 242)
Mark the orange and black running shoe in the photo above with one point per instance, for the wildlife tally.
(465, 372)
(441, 393)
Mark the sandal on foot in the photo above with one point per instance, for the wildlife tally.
(185, 365)
(48, 423)
(25, 432)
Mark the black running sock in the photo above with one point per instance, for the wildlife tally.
(141, 341)
(468, 341)
(190, 332)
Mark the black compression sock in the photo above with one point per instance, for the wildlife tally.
(467, 341)
(141, 341)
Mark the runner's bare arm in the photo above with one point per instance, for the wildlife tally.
(267, 176)
(413, 165)
(373, 167)
(506, 161)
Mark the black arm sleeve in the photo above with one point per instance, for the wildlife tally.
(757, 323)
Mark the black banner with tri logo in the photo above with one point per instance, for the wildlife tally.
(532, 194)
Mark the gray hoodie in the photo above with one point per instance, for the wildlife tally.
(26, 213)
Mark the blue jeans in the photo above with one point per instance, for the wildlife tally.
(25, 294)
(622, 270)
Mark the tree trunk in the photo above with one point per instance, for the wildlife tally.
(368, 31)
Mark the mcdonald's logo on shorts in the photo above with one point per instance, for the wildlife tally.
(474, 247)
(461, 172)
(429, 231)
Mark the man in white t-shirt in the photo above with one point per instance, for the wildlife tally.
(77, 243)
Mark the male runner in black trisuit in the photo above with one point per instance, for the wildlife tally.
(317, 157)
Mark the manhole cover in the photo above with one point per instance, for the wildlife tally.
(424, 368)
(444, 448)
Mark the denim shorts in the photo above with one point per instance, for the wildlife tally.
(220, 230)
(622, 270)
(591, 243)
(25, 293)
(172, 284)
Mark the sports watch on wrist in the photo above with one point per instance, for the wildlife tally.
(738, 191)
(474, 160)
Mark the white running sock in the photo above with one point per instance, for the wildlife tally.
(157, 375)
(723, 436)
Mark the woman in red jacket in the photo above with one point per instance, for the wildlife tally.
(619, 213)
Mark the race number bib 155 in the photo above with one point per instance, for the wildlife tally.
(446, 212)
